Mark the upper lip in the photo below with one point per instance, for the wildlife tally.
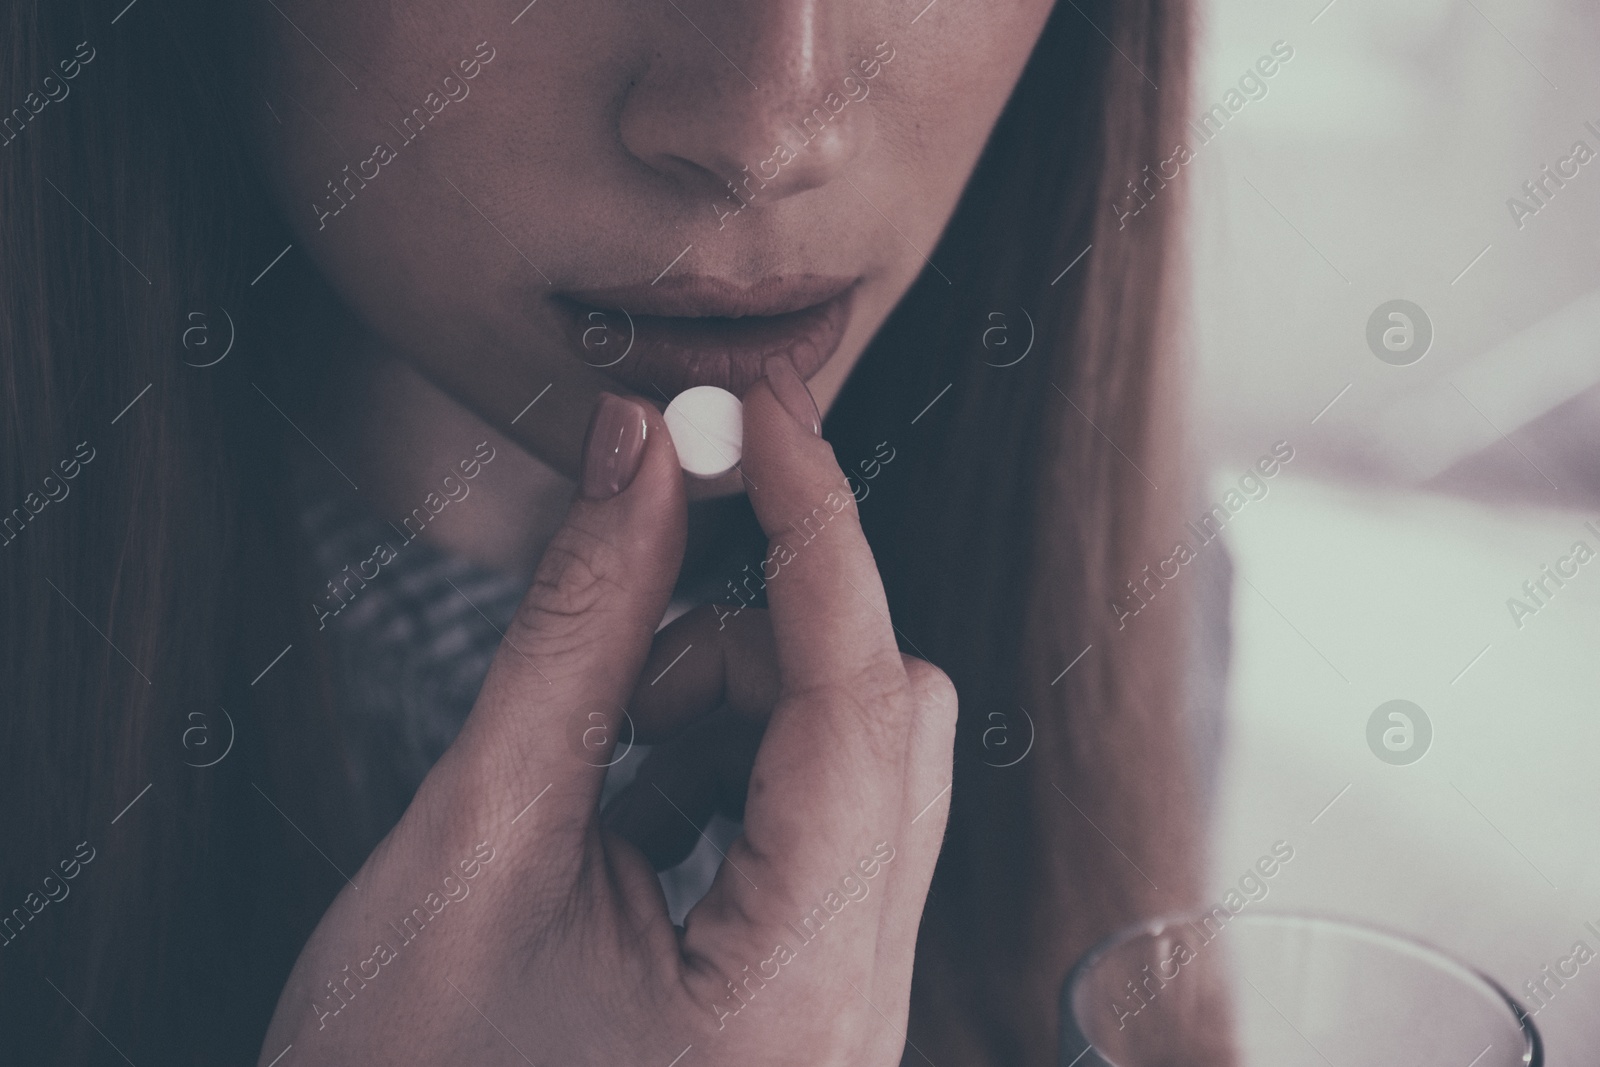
(703, 296)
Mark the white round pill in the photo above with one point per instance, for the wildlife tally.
(707, 428)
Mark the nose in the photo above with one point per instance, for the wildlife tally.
(759, 95)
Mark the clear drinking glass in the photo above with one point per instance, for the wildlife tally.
(1266, 989)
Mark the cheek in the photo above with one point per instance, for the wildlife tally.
(937, 101)
(524, 187)
(354, 36)
(486, 187)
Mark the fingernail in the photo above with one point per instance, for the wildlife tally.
(791, 391)
(613, 448)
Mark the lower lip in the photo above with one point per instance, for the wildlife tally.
(667, 354)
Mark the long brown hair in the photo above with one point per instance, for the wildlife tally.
(1028, 494)
(144, 596)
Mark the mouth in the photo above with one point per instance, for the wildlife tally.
(661, 339)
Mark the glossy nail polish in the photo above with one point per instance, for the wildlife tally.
(613, 448)
(791, 391)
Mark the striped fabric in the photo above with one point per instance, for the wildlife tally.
(411, 648)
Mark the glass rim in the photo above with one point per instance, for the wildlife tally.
(1533, 1043)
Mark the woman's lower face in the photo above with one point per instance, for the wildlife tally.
(544, 202)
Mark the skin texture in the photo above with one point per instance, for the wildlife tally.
(591, 150)
(560, 938)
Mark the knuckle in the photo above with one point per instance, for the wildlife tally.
(877, 705)
(877, 680)
(931, 689)
(578, 572)
(882, 678)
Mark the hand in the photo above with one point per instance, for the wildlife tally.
(500, 923)
(697, 767)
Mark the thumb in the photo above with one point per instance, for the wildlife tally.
(570, 658)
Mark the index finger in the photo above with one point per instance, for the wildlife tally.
(829, 614)
(856, 730)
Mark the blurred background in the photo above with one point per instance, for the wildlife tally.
(1431, 479)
